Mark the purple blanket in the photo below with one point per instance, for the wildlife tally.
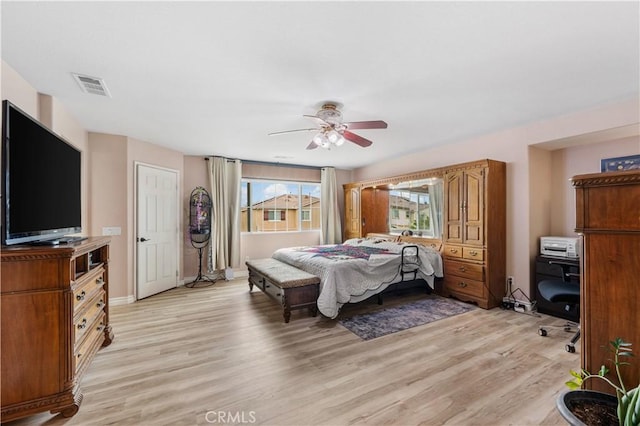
(341, 251)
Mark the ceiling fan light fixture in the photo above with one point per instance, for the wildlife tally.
(333, 136)
(317, 139)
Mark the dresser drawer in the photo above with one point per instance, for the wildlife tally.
(87, 286)
(461, 285)
(452, 251)
(85, 317)
(464, 270)
(473, 253)
(92, 342)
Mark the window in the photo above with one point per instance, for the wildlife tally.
(279, 206)
(274, 215)
(409, 210)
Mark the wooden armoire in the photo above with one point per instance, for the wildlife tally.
(608, 218)
(475, 232)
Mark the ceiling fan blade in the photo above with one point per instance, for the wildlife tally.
(358, 140)
(318, 120)
(291, 131)
(377, 124)
(312, 145)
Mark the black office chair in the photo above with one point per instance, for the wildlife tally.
(559, 291)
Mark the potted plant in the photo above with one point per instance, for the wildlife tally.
(580, 407)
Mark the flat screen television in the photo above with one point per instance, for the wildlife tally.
(41, 182)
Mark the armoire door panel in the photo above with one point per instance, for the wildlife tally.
(454, 188)
(474, 207)
(367, 210)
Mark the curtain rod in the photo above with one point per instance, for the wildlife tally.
(266, 163)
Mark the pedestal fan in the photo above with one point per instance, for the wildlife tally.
(200, 229)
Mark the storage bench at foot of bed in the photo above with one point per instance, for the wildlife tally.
(291, 287)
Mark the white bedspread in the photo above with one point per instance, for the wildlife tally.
(346, 279)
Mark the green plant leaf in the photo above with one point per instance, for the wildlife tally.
(632, 416)
(576, 374)
(603, 370)
(573, 385)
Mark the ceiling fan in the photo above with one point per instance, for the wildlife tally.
(332, 131)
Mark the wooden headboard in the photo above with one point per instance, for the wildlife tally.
(434, 243)
(386, 237)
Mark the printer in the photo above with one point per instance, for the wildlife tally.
(560, 246)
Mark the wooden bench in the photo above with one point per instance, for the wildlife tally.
(291, 287)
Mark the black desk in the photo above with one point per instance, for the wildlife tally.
(549, 267)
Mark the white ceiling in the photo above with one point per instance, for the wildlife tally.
(215, 77)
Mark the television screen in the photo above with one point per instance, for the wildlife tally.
(41, 181)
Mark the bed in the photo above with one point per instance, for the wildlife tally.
(361, 267)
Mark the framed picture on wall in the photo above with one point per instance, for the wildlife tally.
(617, 164)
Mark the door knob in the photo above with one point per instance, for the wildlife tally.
(143, 239)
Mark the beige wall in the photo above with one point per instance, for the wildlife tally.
(195, 174)
(107, 204)
(527, 219)
(19, 91)
(112, 200)
(576, 160)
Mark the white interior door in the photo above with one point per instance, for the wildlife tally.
(157, 230)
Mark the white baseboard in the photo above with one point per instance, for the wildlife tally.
(115, 301)
(240, 273)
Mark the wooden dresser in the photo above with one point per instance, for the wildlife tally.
(475, 232)
(608, 218)
(55, 317)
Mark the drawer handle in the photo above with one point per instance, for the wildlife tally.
(473, 253)
(462, 269)
(100, 327)
(79, 356)
(83, 324)
(99, 281)
(462, 284)
(100, 304)
(81, 295)
(453, 250)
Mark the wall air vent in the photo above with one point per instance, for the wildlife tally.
(92, 85)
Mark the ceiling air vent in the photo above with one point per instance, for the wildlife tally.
(92, 85)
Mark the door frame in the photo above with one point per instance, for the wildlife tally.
(136, 165)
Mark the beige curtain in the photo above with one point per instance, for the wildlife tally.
(436, 204)
(225, 179)
(330, 218)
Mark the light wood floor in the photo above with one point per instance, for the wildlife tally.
(222, 355)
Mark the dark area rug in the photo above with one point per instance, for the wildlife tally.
(386, 321)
